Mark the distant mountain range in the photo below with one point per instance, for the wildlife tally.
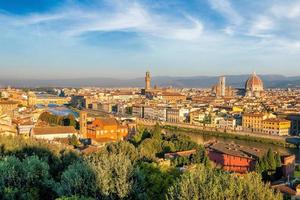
(237, 81)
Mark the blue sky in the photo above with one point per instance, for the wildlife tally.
(122, 39)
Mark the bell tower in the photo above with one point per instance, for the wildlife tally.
(83, 123)
(147, 81)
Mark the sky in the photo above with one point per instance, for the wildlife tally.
(47, 39)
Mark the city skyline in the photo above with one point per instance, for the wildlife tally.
(72, 39)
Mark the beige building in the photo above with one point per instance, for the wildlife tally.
(8, 107)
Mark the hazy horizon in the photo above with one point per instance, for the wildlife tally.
(142, 76)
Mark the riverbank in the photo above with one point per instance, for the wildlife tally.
(250, 138)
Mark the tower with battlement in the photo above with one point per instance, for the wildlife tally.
(147, 81)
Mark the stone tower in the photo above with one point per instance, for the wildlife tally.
(147, 81)
(222, 84)
(83, 123)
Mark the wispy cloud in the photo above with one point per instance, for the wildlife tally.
(133, 17)
(225, 8)
(286, 10)
(261, 27)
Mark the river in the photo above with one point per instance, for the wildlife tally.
(61, 110)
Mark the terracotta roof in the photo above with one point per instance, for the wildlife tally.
(25, 123)
(254, 82)
(90, 149)
(54, 130)
(172, 94)
(237, 150)
(8, 102)
(276, 120)
(253, 115)
(105, 122)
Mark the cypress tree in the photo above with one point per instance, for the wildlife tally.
(258, 166)
(278, 160)
(271, 160)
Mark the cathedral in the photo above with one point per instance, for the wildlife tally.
(254, 86)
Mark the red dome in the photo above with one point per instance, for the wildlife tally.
(254, 83)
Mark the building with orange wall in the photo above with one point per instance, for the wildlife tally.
(107, 130)
(231, 157)
(242, 159)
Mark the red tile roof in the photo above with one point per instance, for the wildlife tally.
(54, 130)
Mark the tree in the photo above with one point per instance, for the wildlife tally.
(25, 179)
(124, 148)
(210, 184)
(78, 180)
(200, 157)
(259, 168)
(73, 141)
(167, 147)
(70, 121)
(278, 160)
(140, 136)
(181, 142)
(113, 174)
(151, 181)
(149, 148)
(74, 198)
(156, 132)
(271, 160)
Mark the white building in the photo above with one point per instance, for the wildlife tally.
(229, 123)
(51, 133)
(137, 111)
(177, 115)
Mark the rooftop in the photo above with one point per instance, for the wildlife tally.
(237, 150)
(54, 130)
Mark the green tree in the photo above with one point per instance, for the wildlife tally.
(25, 179)
(167, 147)
(151, 181)
(278, 160)
(113, 175)
(124, 148)
(149, 148)
(141, 135)
(74, 198)
(156, 132)
(73, 141)
(271, 160)
(210, 184)
(78, 180)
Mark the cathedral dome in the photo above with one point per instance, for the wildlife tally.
(254, 84)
